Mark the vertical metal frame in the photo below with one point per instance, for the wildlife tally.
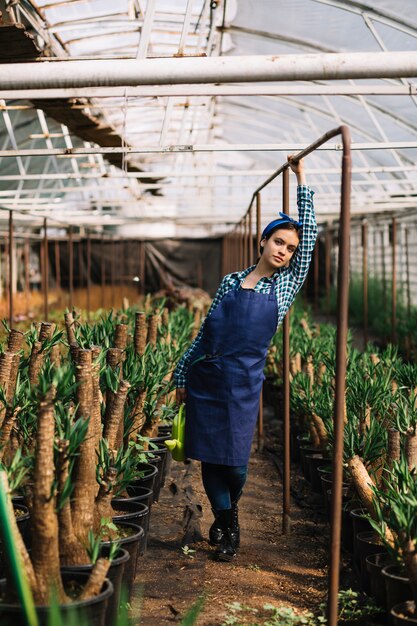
(286, 383)
(365, 281)
(394, 282)
(341, 354)
(11, 247)
(45, 277)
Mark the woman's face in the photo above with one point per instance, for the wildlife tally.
(280, 247)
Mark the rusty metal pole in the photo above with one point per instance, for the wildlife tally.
(286, 512)
(394, 283)
(113, 272)
(365, 282)
(45, 270)
(27, 273)
(88, 275)
(340, 387)
(71, 268)
(316, 275)
(103, 273)
(57, 265)
(327, 244)
(11, 246)
(384, 271)
(250, 237)
(261, 408)
(245, 238)
(407, 269)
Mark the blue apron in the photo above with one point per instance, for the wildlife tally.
(224, 380)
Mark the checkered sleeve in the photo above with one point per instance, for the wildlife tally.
(293, 278)
(180, 372)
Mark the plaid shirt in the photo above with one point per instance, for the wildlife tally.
(288, 279)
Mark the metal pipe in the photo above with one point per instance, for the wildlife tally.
(194, 148)
(327, 244)
(11, 246)
(103, 273)
(210, 90)
(250, 237)
(365, 282)
(143, 267)
(261, 408)
(88, 276)
(316, 275)
(340, 387)
(113, 273)
(286, 520)
(57, 265)
(407, 269)
(223, 69)
(71, 268)
(26, 253)
(394, 283)
(45, 269)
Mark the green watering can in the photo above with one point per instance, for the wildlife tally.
(176, 444)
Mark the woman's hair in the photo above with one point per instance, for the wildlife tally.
(287, 226)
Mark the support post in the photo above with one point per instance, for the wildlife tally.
(340, 387)
(57, 265)
(365, 282)
(261, 408)
(88, 276)
(286, 520)
(113, 272)
(394, 283)
(316, 275)
(45, 270)
(250, 236)
(407, 269)
(327, 244)
(27, 273)
(71, 268)
(103, 273)
(142, 267)
(11, 246)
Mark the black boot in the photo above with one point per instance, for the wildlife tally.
(235, 524)
(227, 549)
(216, 531)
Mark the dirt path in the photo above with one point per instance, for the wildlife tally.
(270, 568)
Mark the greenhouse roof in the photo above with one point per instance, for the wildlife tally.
(183, 160)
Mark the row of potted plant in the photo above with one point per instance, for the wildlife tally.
(380, 452)
(80, 410)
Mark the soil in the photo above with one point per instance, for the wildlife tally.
(282, 570)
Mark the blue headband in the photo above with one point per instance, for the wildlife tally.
(284, 219)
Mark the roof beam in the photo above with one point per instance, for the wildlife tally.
(225, 147)
(131, 72)
(211, 90)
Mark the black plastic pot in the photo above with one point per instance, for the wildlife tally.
(360, 524)
(157, 461)
(131, 544)
(295, 443)
(153, 455)
(164, 430)
(149, 472)
(397, 585)
(115, 575)
(93, 610)
(328, 501)
(374, 565)
(404, 614)
(306, 450)
(314, 461)
(136, 513)
(368, 543)
(144, 495)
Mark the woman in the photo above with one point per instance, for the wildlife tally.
(220, 375)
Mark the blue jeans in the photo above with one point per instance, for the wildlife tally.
(223, 483)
